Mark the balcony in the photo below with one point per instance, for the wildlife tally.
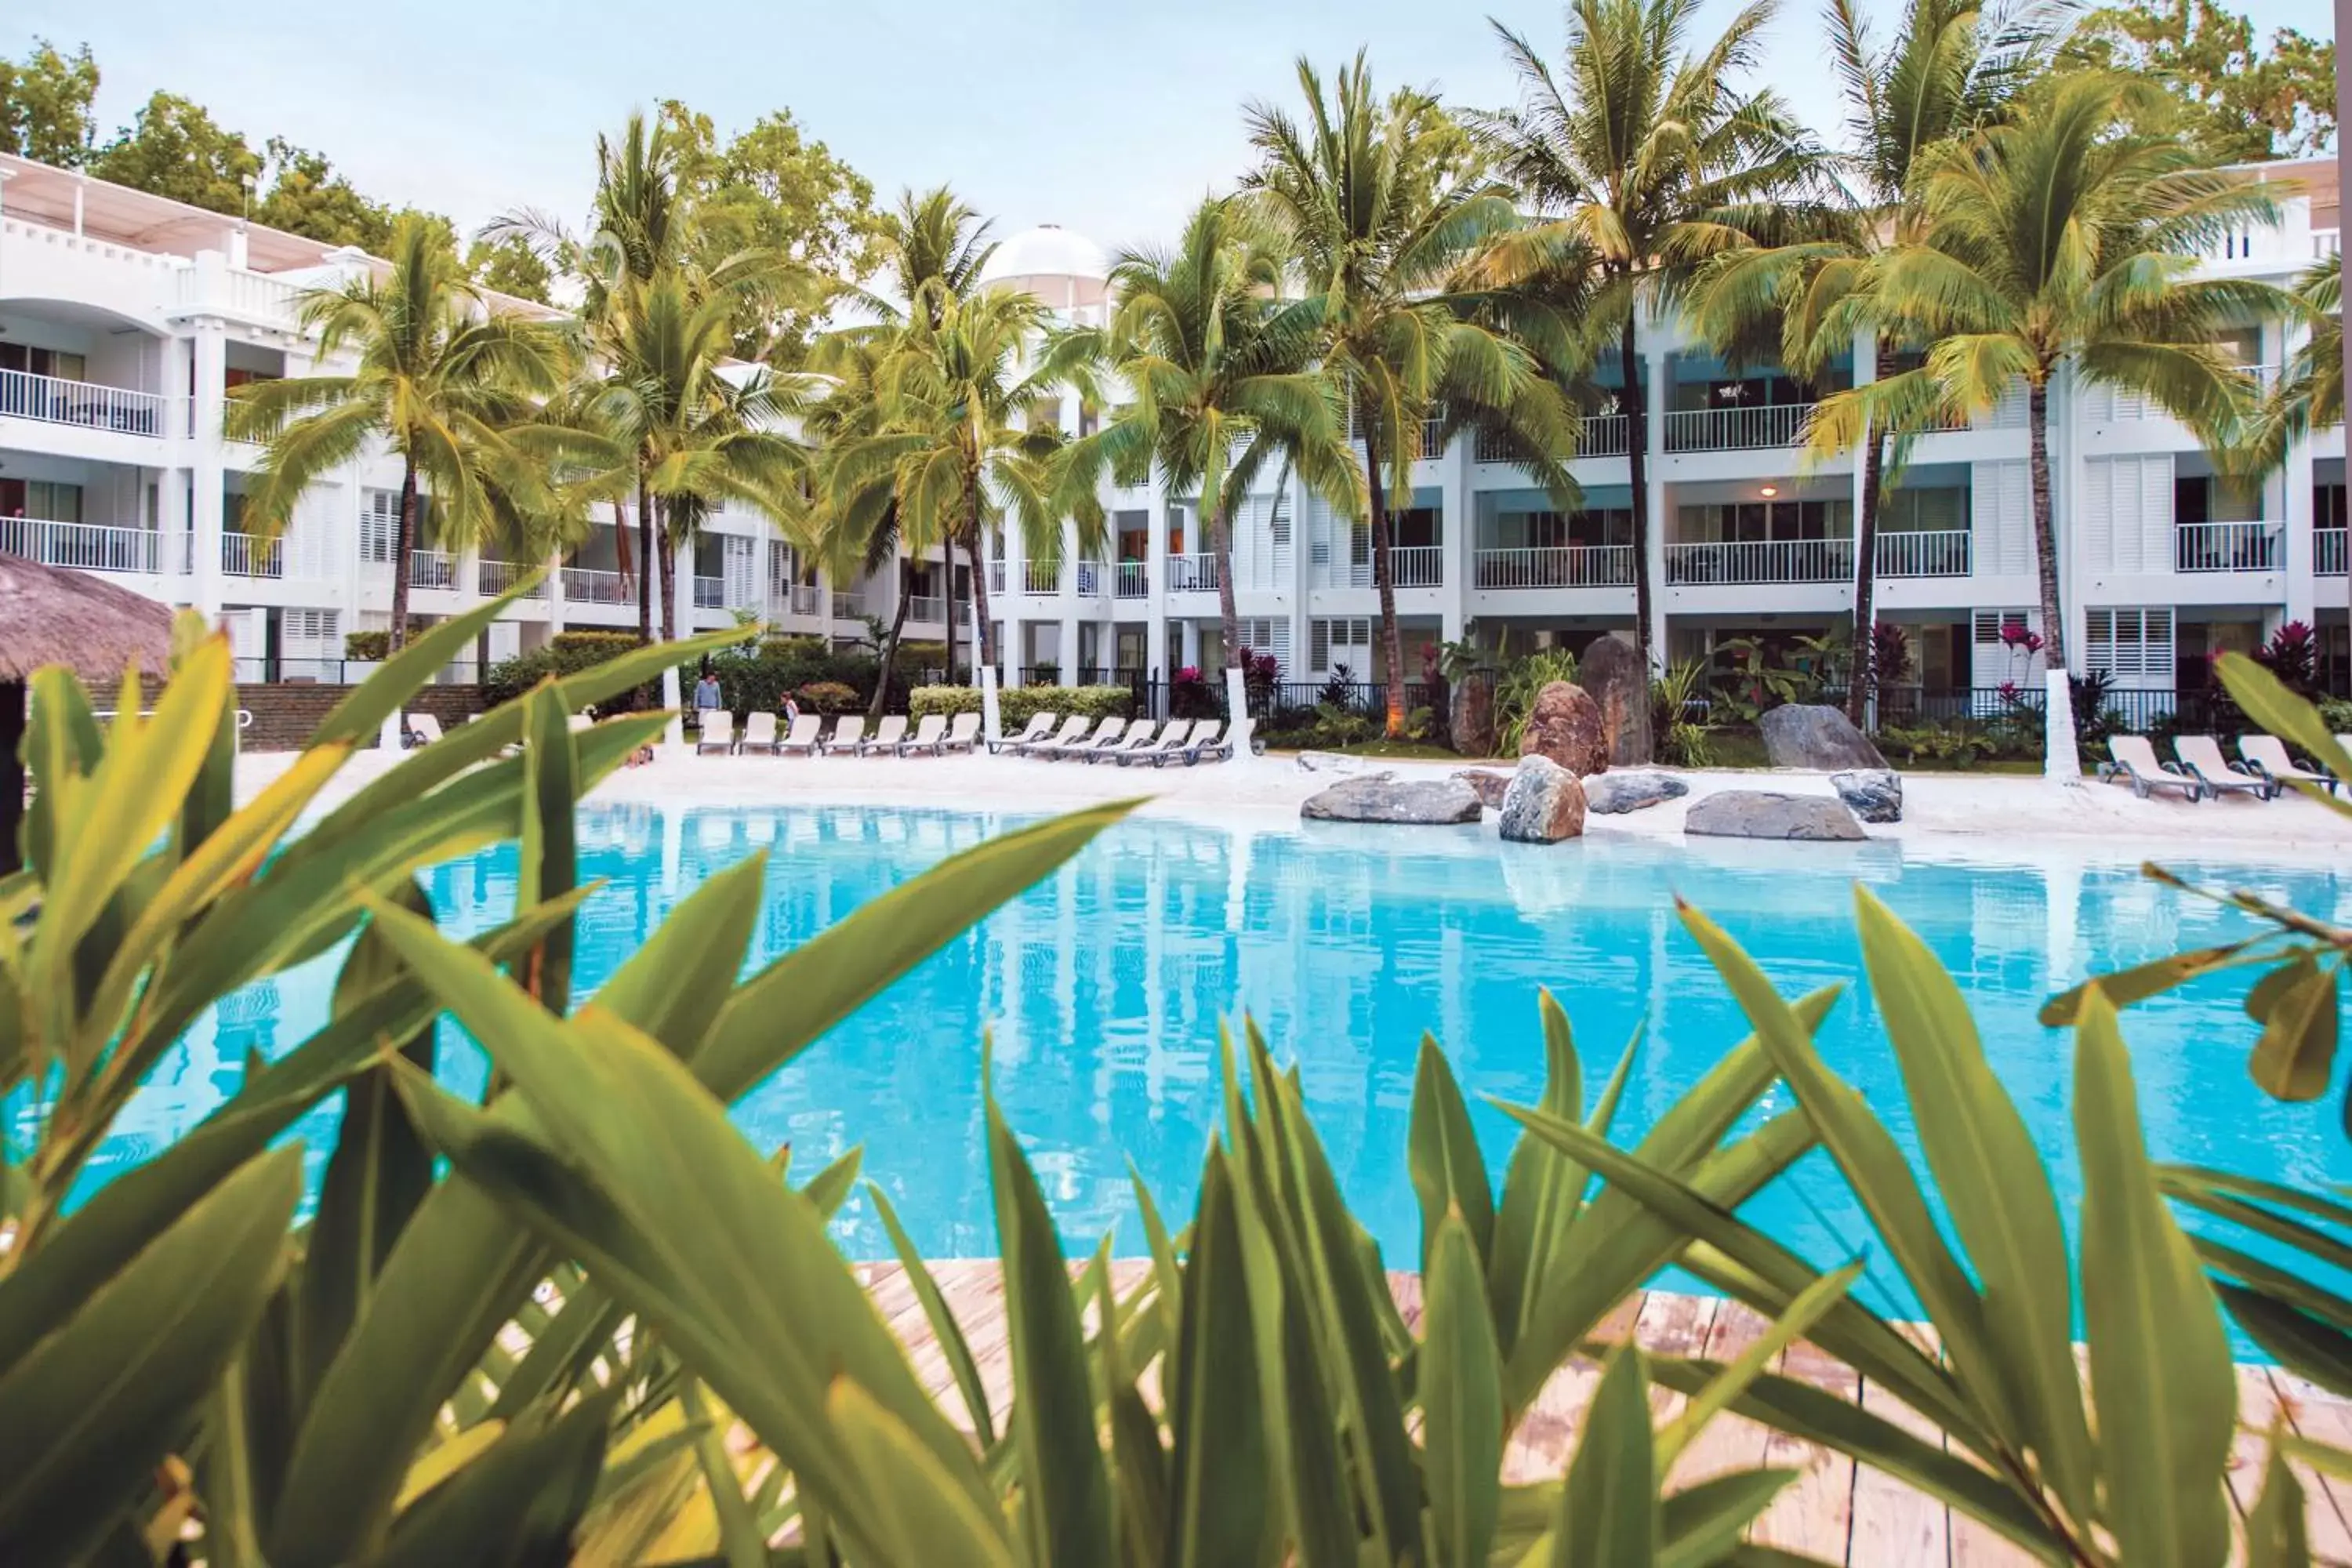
(497, 577)
(1133, 581)
(250, 555)
(2328, 553)
(1555, 566)
(807, 599)
(588, 585)
(54, 400)
(431, 569)
(1604, 436)
(1417, 566)
(1090, 579)
(1195, 574)
(931, 609)
(1736, 429)
(1939, 553)
(2203, 547)
(849, 606)
(996, 575)
(1041, 577)
(1761, 561)
(710, 593)
(85, 546)
(254, 295)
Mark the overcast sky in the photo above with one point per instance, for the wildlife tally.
(1041, 113)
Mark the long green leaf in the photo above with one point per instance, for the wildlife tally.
(2277, 1535)
(1441, 1156)
(361, 714)
(516, 1503)
(1609, 1510)
(548, 859)
(1790, 1327)
(1461, 1402)
(1218, 1515)
(945, 1329)
(1702, 1524)
(932, 1518)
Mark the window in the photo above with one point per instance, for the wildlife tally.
(1332, 642)
(43, 499)
(379, 524)
(1278, 526)
(2327, 506)
(1133, 530)
(1268, 633)
(1943, 509)
(1416, 527)
(2133, 645)
(2209, 498)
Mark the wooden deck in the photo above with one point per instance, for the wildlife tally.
(1838, 1512)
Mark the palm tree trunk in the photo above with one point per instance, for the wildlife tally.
(984, 633)
(1862, 682)
(2045, 534)
(12, 773)
(1391, 640)
(621, 542)
(666, 548)
(1221, 540)
(644, 560)
(401, 545)
(947, 566)
(1637, 459)
(890, 650)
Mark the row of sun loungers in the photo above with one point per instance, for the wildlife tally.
(934, 736)
(1118, 740)
(2201, 772)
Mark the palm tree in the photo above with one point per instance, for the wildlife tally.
(856, 527)
(932, 249)
(1947, 71)
(1646, 155)
(2062, 238)
(440, 379)
(1393, 238)
(2310, 396)
(1223, 380)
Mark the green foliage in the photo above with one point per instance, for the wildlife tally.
(828, 697)
(1326, 727)
(375, 646)
(757, 680)
(567, 653)
(45, 104)
(2232, 99)
(507, 265)
(1522, 680)
(1676, 717)
(1960, 744)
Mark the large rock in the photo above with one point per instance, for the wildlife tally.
(1384, 798)
(1760, 813)
(1874, 794)
(1565, 726)
(1611, 671)
(1489, 784)
(1472, 719)
(1615, 794)
(1544, 804)
(1813, 735)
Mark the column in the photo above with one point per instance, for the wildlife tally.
(1066, 602)
(555, 594)
(207, 473)
(1656, 366)
(2287, 497)
(1457, 528)
(1158, 659)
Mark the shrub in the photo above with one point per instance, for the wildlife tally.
(828, 697)
(567, 653)
(372, 646)
(2292, 655)
(1190, 695)
(757, 682)
(944, 700)
(1958, 745)
(1016, 704)
(1516, 688)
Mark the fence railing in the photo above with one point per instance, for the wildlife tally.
(807, 599)
(1735, 429)
(849, 606)
(2133, 709)
(1417, 565)
(1604, 436)
(927, 607)
(1133, 580)
(1943, 552)
(591, 585)
(83, 546)
(431, 569)
(1194, 574)
(54, 400)
(996, 576)
(2225, 547)
(1367, 697)
(1041, 577)
(497, 577)
(262, 668)
(710, 593)
(250, 555)
(1555, 566)
(2328, 553)
(1761, 561)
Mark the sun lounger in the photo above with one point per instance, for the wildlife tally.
(2135, 763)
(579, 721)
(1041, 727)
(2266, 754)
(717, 732)
(888, 736)
(848, 733)
(421, 729)
(1212, 742)
(2201, 755)
(759, 733)
(927, 735)
(1171, 743)
(1105, 733)
(963, 734)
(1072, 729)
(1139, 737)
(804, 738)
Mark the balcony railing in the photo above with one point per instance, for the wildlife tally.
(1417, 565)
(1557, 566)
(1943, 552)
(1134, 580)
(2328, 553)
(1041, 577)
(807, 599)
(1090, 579)
(2225, 547)
(849, 606)
(431, 569)
(589, 585)
(497, 577)
(996, 575)
(1735, 429)
(1195, 574)
(1761, 561)
(710, 593)
(928, 608)
(56, 401)
(1604, 436)
(82, 546)
(250, 555)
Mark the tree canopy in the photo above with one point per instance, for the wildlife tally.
(45, 104)
(2235, 100)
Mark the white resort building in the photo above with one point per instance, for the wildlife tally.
(124, 320)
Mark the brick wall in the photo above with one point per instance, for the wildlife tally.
(284, 715)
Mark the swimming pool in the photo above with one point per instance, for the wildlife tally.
(1104, 986)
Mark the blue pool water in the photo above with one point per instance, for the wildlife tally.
(1104, 986)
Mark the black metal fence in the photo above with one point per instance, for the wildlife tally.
(2133, 711)
(266, 670)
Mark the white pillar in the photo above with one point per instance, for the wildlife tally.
(2294, 512)
(1066, 602)
(1656, 366)
(681, 595)
(207, 474)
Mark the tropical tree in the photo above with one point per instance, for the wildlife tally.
(1224, 383)
(440, 379)
(1644, 152)
(2310, 396)
(1945, 72)
(1391, 231)
(2062, 239)
(931, 250)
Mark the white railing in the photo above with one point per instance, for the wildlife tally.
(1735, 429)
(1417, 565)
(56, 401)
(82, 546)
(2328, 553)
(1134, 580)
(244, 292)
(710, 593)
(431, 569)
(1090, 579)
(1041, 577)
(250, 555)
(996, 575)
(1943, 552)
(1195, 574)
(849, 606)
(1557, 566)
(1604, 436)
(1761, 561)
(497, 577)
(808, 599)
(927, 608)
(2225, 547)
(2325, 242)
(591, 585)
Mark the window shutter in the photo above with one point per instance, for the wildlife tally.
(1318, 646)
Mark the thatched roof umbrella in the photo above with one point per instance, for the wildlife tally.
(86, 624)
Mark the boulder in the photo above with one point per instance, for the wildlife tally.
(1760, 813)
(1489, 784)
(1615, 794)
(1565, 726)
(1814, 735)
(1544, 804)
(1385, 798)
(1874, 794)
(1611, 671)
(1472, 719)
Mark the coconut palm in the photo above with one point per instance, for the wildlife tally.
(1391, 231)
(854, 520)
(931, 249)
(1644, 152)
(2310, 396)
(1947, 71)
(1224, 381)
(441, 380)
(2062, 239)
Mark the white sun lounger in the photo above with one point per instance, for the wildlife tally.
(1210, 741)
(2201, 755)
(1171, 743)
(1105, 733)
(1139, 737)
(2266, 754)
(759, 733)
(927, 737)
(717, 732)
(802, 739)
(847, 731)
(579, 721)
(421, 729)
(889, 736)
(1040, 727)
(963, 734)
(2135, 763)
(1072, 729)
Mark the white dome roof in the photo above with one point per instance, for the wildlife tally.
(1049, 250)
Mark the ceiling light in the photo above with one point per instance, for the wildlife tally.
(1769, 491)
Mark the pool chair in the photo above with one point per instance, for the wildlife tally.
(1139, 737)
(1171, 743)
(927, 737)
(1212, 742)
(579, 721)
(2266, 754)
(717, 732)
(847, 731)
(1105, 733)
(759, 733)
(802, 739)
(1072, 728)
(890, 736)
(2201, 755)
(1041, 726)
(2134, 763)
(962, 735)
(420, 728)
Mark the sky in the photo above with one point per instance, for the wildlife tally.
(1111, 119)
